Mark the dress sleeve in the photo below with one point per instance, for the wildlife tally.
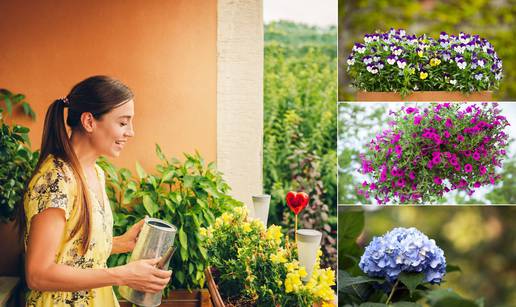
(54, 187)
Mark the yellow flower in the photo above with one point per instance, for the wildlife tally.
(274, 234)
(203, 231)
(328, 304)
(227, 217)
(302, 272)
(420, 53)
(435, 62)
(246, 227)
(293, 282)
(279, 257)
(292, 266)
(258, 224)
(423, 75)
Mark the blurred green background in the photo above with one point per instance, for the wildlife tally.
(493, 20)
(300, 120)
(479, 239)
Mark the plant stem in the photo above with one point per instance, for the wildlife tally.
(295, 230)
(392, 292)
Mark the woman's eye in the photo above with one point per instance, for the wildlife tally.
(123, 124)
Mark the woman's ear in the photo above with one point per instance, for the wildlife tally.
(88, 121)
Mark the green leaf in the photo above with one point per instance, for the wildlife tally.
(149, 205)
(439, 294)
(9, 105)
(412, 280)
(454, 302)
(452, 268)
(183, 240)
(369, 304)
(405, 304)
(346, 281)
(160, 154)
(141, 172)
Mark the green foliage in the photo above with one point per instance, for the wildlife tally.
(356, 289)
(17, 163)
(189, 195)
(299, 124)
(493, 20)
(11, 100)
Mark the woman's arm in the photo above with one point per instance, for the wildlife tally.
(126, 242)
(44, 274)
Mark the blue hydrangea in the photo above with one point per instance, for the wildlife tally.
(403, 250)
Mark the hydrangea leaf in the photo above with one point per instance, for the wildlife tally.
(412, 280)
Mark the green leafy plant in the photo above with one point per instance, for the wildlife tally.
(255, 266)
(187, 194)
(17, 162)
(11, 100)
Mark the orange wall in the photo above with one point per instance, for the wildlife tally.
(164, 50)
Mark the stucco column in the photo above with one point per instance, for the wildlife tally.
(240, 95)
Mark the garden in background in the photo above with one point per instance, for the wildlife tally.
(300, 92)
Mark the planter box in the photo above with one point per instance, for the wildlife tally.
(12, 249)
(425, 96)
(177, 298)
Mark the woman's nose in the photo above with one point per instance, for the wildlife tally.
(130, 132)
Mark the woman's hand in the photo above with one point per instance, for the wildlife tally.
(126, 242)
(143, 275)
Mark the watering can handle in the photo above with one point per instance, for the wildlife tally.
(166, 257)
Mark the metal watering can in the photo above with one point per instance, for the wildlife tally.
(156, 239)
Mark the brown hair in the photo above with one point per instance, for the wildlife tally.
(97, 95)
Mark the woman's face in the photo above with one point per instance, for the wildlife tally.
(113, 130)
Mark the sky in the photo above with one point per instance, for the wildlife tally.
(321, 13)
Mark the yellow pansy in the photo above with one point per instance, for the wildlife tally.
(420, 53)
(435, 62)
(423, 75)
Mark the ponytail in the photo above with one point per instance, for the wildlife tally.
(55, 141)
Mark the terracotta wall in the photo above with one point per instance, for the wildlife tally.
(164, 50)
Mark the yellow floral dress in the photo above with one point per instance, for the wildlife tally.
(54, 186)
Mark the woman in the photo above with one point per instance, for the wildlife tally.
(66, 217)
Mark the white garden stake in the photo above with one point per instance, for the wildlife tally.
(261, 207)
(308, 242)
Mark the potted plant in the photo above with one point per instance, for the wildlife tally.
(187, 194)
(395, 66)
(255, 266)
(17, 161)
(430, 151)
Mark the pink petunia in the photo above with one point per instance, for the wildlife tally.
(448, 123)
(477, 184)
(438, 180)
(482, 170)
(468, 168)
(476, 156)
(460, 138)
(417, 120)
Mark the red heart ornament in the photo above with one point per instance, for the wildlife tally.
(297, 201)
